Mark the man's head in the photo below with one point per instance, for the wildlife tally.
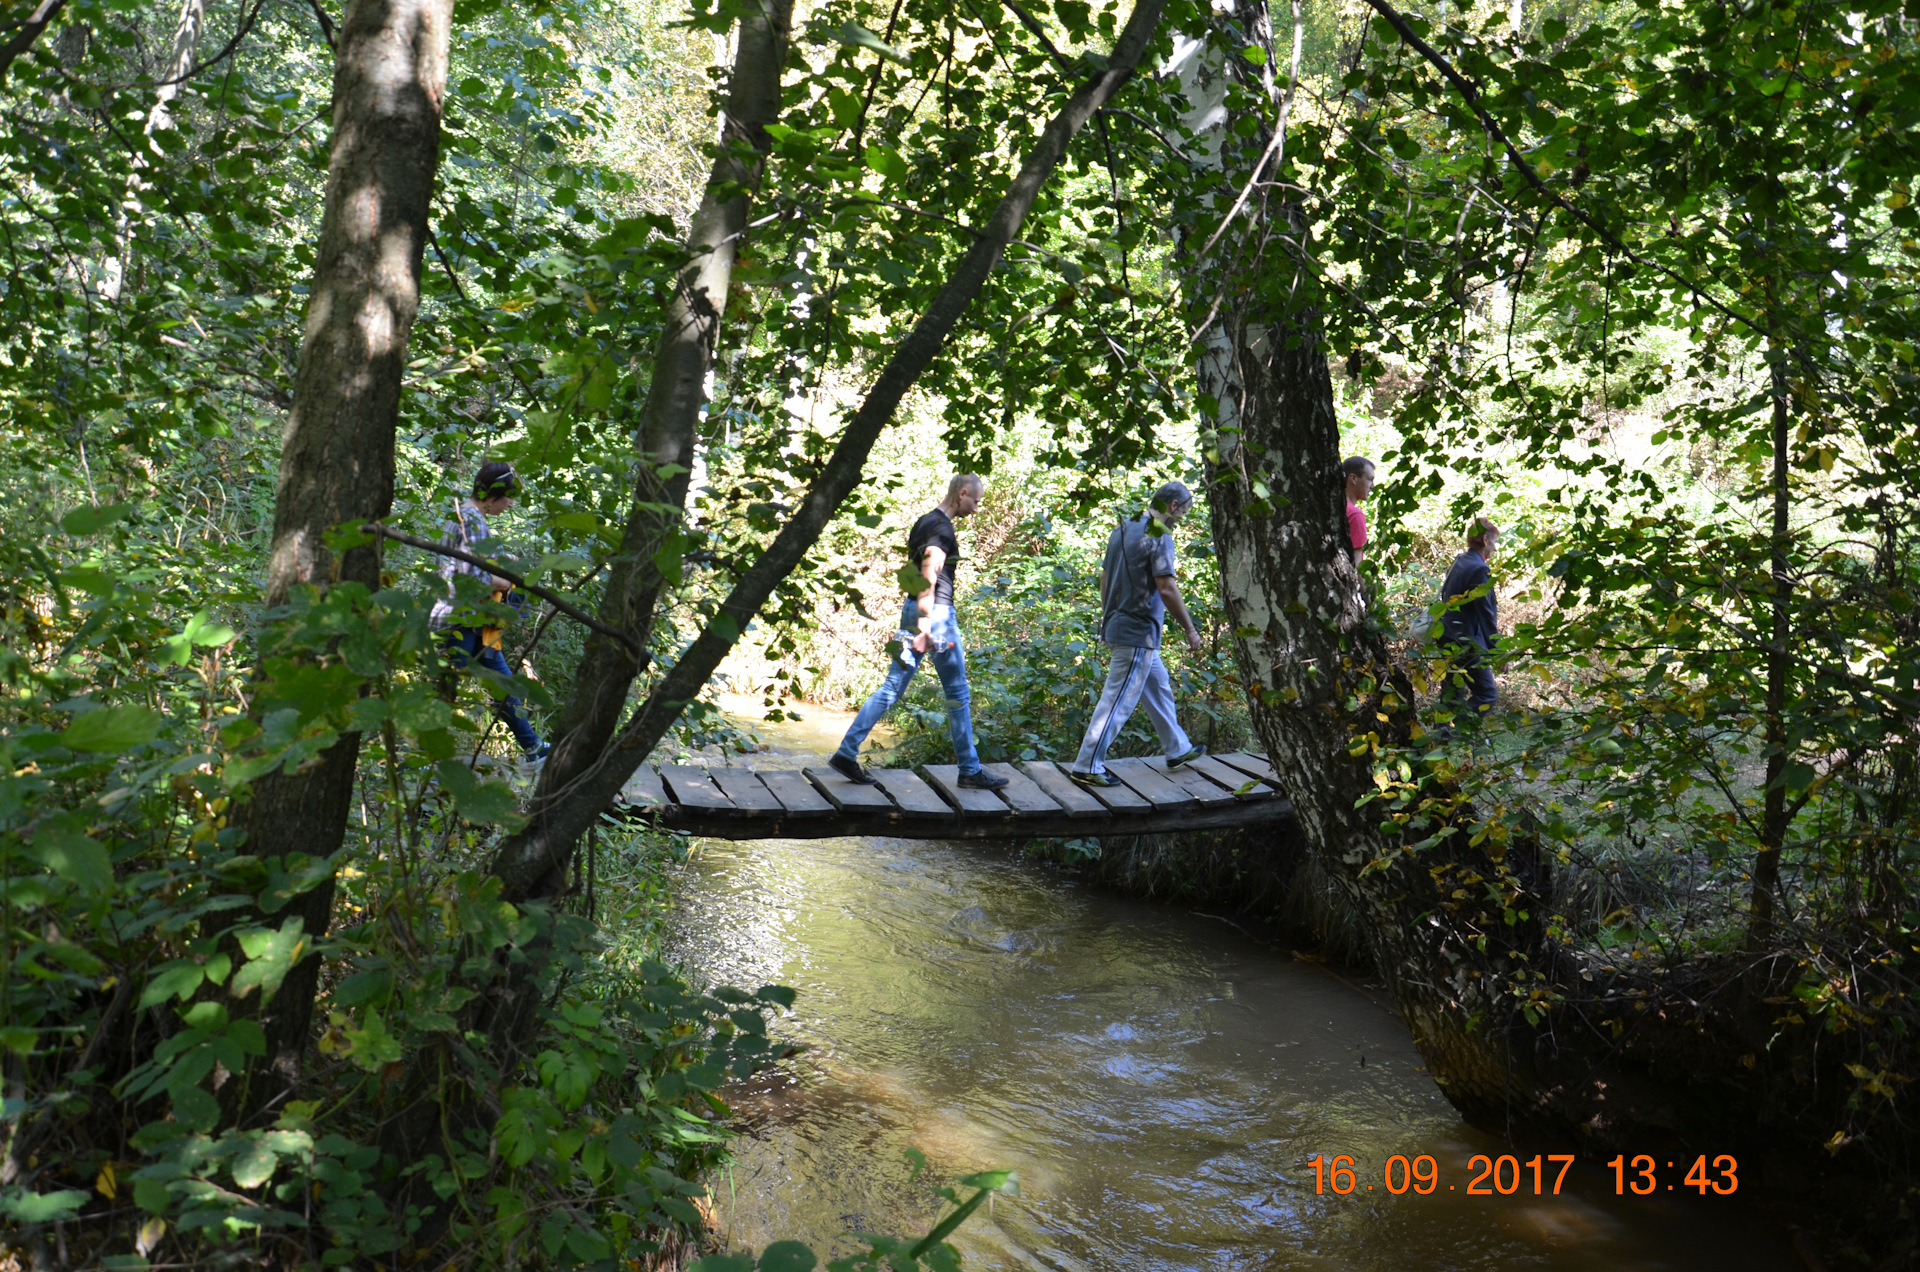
(1359, 475)
(1172, 502)
(963, 494)
(1483, 536)
(495, 487)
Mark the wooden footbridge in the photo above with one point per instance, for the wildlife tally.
(1039, 801)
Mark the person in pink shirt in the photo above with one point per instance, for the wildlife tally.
(1359, 474)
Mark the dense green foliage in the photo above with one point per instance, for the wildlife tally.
(1669, 341)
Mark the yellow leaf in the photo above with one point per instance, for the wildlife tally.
(104, 1183)
(1898, 199)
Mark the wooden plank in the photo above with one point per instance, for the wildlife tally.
(643, 789)
(1231, 778)
(691, 788)
(744, 787)
(1150, 785)
(1073, 798)
(1198, 785)
(946, 779)
(1119, 799)
(1252, 766)
(1021, 793)
(848, 797)
(794, 793)
(913, 796)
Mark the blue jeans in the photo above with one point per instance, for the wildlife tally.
(1470, 681)
(463, 646)
(950, 660)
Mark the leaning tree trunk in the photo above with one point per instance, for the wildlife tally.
(531, 861)
(676, 396)
(1442, 918)
(336, 458)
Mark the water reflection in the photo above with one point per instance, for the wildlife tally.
(1158, 1081)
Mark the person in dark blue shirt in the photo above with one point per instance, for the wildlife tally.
(1470, 623)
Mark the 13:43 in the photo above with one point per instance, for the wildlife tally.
(1637, 1175)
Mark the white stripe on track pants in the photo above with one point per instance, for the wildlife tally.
(1135, 677)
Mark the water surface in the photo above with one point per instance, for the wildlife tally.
(1158, 1080)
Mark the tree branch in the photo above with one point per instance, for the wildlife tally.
(531, 856)
(1470, 94)
(572, 611)
(39, 20)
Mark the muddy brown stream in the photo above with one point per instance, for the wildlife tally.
(1159, 1080)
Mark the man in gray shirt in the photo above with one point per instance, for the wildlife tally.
(1136, 593)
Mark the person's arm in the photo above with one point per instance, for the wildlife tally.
(1170, 593)
(930, 569)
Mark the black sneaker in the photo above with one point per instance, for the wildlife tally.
(1101, 779)
(1175, 761)
(850, 769)
(982, 781)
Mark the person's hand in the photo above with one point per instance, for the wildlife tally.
(922, 642)
(1193, 641)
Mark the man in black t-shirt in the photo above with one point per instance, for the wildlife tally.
(928, 626)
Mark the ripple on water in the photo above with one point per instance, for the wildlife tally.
(1158, 1082)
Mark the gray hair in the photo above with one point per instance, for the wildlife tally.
(1173, 497)
(965, 481)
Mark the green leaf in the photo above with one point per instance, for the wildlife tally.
(74, 857)
(787, 1256)
(722, 1263)
(254, 1165)
(270, 956)
(195, 1109)
(112, 728)
(483, 803)
(27, 1207)
(175, 980)
(151, 1196)
(911, 581)
(887, 162)
(82, 521)
(853, 35)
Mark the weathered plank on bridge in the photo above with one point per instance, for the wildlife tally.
(1252, 766)
(1069, 794)
(946, 779)
(1022, 794)
(910, 794)
(691, 788)
(796, 795)
(644, 788)
(1243, 786)
(741, 803)
(1149, 785)
(1118, 799)
(744, 787)
(849, 797)
(1193, 782)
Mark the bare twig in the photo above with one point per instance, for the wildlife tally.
(566, 607)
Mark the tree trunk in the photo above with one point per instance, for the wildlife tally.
(336, 460)
(186, 39)
(27, 30)
(1773, 813)
(675, 398)
(533, 862)
(1444, 920)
